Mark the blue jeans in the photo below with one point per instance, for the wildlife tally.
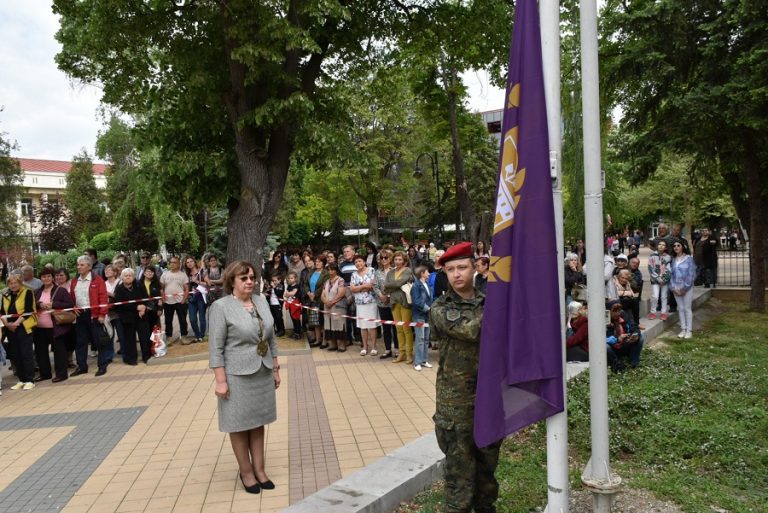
(421, 346)
(197, 308)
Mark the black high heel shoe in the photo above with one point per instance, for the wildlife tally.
(266, 485)
(253, 488)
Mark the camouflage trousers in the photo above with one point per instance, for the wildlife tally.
(469, 472)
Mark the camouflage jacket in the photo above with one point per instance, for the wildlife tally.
(455, 326)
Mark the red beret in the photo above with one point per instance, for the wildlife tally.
(461, 250)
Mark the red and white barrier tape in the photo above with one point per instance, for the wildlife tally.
(290, 301)
(108, 305)
(380, 321)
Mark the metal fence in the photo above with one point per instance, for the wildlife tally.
(733, 268)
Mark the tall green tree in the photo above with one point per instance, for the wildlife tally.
(11, 178)
(83, 199)
(443, 40)
(221, 90)
(691, 76)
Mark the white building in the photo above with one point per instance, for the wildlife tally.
(492, 120)
(46, 177)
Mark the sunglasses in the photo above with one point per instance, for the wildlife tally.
(244, 279)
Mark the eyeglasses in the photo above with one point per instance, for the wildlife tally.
(384, 258)
(250, 277)
(144, 257)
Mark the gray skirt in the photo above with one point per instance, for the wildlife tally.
(251, 402)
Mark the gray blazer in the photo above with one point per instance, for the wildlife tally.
(233, 336)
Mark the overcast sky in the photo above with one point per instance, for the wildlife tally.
(51, 117)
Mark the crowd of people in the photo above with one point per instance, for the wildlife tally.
(332, 300)
(673, 270)
(111, 303)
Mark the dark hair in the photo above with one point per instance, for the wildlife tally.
(63, 270)
(358, 256)
(45, 271)
(91, 252)
(155, 280)
(333, 266)
(485, 260)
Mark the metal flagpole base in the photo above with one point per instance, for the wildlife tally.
(603, 488)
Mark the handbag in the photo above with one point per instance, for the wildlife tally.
(105, 338)
(406, 287)
(214, 292)
(62, 318)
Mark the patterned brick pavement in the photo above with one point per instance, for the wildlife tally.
(146, 439)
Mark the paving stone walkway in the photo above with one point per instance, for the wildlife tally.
(146, 439)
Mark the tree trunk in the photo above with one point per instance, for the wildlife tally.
(261, 190)
(465, 205)
(372, 219)
(757, 228)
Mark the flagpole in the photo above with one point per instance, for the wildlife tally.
(557, 425)
(597, 476)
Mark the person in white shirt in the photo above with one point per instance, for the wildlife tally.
(174, 286)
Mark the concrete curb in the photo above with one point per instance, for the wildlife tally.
(398, 477)
(382, 485)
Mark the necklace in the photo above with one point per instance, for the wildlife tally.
(262, 346)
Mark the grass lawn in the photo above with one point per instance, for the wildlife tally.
(690, 425)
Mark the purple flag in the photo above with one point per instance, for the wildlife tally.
(520, 380)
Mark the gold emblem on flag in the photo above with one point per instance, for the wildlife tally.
(510, 182)
(501, 269)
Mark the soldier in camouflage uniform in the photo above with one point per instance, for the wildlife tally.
(455, 320)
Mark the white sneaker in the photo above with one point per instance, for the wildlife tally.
(93, 354)
(363, 353)
(374, 352)
(17, 386)
(688, 334)
(418, 368)
(427, 365)
(681, 334)
(28, 386)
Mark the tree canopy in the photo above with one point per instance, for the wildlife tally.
(220, 91)
(691, 76)
(11, 178)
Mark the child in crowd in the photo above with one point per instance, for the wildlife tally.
(291, 294)
(660, 269)
(274, 293)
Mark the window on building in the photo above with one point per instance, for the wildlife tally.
(26, 207)
(494, 127)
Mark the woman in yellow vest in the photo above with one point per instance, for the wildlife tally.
(17, 301)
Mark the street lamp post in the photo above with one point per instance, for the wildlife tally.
(436, 174)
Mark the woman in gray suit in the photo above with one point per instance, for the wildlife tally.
(243, 356)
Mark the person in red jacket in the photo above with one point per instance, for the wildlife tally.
(577, 343)
(89, 293)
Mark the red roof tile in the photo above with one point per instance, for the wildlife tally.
(54, 166)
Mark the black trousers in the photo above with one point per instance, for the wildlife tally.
(388, 331)
(180, 309)
(131, 329)
(277, 315)
(23, 354)
(43, 338)
(61, 354)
